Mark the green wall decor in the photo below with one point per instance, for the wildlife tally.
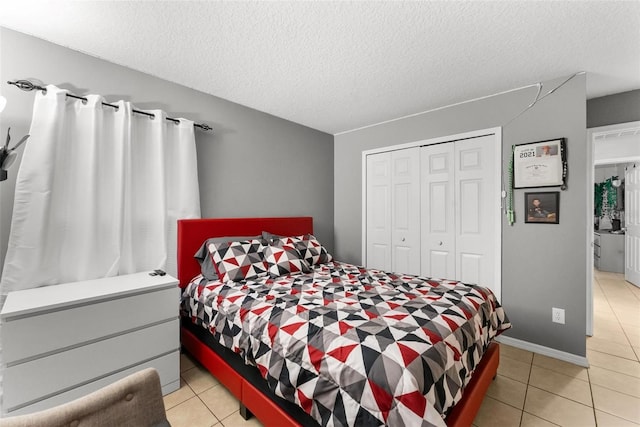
(605, 198)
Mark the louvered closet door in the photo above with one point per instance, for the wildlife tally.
(437, 211)
(405, 211)
(475, 210)
(378, 211)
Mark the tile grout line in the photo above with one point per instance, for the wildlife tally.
(624, 282)
(562, 397)
(187, 384)
(613, 355)
(635, 290)
(541, 389)
(628, 341)
(526, 390)
(627, 284)
(210, 411)
(544, 419)
(197, 395)
(617, 319)
(624, 286)
(219, 421)
(609, 387)
(560, 373)
(593, 402)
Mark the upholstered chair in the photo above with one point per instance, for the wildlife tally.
(134, 401)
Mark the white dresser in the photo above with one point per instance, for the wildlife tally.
(64, 341)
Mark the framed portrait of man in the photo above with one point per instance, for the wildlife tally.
(542, 207)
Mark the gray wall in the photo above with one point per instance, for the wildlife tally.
(543, 265)
(253, 164)
(613, 109)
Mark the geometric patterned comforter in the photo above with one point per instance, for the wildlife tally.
(351, 346)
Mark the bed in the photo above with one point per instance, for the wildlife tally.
(252, 355)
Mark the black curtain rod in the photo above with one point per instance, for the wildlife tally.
(28, 86)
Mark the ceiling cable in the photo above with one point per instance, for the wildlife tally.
(540, 98)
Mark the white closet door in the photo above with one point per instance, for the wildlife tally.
(437, 211)
(475, 209)
(632, 223)
(379, 211)
(405, 211)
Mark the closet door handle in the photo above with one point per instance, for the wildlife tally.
(403, 239)
(439, 243)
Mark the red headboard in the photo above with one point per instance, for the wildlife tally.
(193, 232)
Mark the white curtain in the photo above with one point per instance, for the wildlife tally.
(98, 193)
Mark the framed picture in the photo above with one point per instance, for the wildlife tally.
(538, 164)
(542, 207)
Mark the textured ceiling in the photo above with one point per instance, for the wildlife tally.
(337, 66)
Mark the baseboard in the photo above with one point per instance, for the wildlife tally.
(545, 351)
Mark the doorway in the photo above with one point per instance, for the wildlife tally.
(606, 145)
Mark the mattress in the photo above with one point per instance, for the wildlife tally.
(352, 346)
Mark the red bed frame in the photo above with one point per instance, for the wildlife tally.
(193, 232)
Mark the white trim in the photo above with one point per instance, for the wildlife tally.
(497, 273)
(437, 140)
(615, 160)
(435, 109)
(363, 260)
(545, 351)
(612, 131)
(497, 132)
(617, 128)
(590, 230)
(592, 135)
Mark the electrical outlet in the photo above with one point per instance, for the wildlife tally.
(557, 315)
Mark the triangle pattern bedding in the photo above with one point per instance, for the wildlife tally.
(352, 346)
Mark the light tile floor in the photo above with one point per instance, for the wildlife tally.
(530, 390)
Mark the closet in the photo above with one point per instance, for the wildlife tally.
(393, 210)
(433, 209)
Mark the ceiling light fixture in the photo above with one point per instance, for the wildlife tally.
(615, 181)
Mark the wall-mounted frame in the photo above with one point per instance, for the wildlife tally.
(539, 164)
(542, 208)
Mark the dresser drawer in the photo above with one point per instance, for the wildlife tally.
(167, 366)
(37, 334)
(41, 378)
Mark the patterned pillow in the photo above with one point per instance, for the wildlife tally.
(312, 251)
(238, 261)
(283, 258)
(203, 257)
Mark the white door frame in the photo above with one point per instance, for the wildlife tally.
(592, 135)
(497, 132)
